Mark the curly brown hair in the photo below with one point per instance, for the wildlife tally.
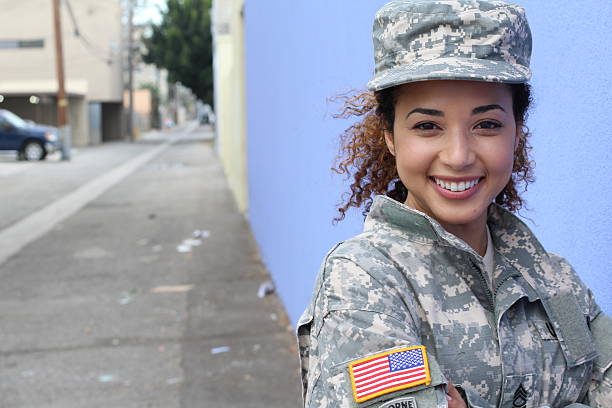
(364, 155)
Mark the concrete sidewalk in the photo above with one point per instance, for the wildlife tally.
(113, 307)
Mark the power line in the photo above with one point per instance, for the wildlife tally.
(77, 33)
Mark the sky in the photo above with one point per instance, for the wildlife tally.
(148, 11)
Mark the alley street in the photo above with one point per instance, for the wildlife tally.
(129, 279)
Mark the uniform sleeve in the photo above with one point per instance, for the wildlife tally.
(600, 389)
(599, 394)
(350, 335)
(359, 316)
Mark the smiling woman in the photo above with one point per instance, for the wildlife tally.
(447, 299)
(447, 134)
(365, 153)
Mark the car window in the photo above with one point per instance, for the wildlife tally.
(14, 119)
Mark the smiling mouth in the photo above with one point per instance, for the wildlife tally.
(457, 187)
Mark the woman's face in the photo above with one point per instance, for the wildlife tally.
(454, 144)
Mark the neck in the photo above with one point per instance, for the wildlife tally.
(474, 234)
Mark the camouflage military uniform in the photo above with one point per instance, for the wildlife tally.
(538, 340)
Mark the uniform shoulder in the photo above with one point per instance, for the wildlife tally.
(367, 252)
(563, 272)
(361, 245)
(358, 274)
(565, 278)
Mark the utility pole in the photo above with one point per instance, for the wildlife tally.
(62, 101)
(131, 69)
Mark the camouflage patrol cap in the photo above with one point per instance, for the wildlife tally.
(477, 40)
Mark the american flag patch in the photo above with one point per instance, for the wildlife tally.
(387, 372)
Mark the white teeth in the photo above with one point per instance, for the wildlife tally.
(456, 187)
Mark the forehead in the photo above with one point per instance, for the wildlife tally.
(452, 92)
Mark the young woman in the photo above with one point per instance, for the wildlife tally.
(447, 298)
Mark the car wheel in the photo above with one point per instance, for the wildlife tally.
(33, 151)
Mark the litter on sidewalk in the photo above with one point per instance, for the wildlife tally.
(265, 289)
(183, 248)
(195, 240)
(201, 233)
(192, 242)
(218, 350)
(105, 378)
(172, 289)
(126, 297)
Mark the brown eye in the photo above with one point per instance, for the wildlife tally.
(425, 126)
(487, 124)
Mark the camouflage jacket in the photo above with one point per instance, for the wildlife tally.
(538, 340)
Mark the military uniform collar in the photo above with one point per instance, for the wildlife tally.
(511, 237)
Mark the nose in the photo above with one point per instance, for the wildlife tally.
(457, 151)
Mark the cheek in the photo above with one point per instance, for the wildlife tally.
(501, 157)
(413, 156)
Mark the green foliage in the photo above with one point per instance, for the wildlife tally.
(182, 44)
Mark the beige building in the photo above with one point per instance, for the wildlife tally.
(230, 101)
(91, 33)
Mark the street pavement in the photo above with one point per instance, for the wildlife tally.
(129, 279)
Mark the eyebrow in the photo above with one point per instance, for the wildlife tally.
(432, 112)
(483, 109)
(475, 111)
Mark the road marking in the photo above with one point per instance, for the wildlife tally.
(14, 238)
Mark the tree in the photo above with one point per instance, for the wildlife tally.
(182, 44)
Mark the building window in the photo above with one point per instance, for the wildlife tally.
(5, 44)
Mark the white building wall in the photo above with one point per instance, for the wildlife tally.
(86, 57)
(92, 59)
(230, 104)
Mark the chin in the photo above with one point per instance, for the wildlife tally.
(451, 213)
(459, 217)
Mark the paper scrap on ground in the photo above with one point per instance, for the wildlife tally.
(196, 240)
(192, 242)
(265, 289)
(172, 289)
(183, 249)
(201, 233)
(217, 350)
(125, 298)
(106, 378)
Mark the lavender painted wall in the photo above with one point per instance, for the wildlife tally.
(301, 53)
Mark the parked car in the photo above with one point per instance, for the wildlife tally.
(207, 116)
(32, 141)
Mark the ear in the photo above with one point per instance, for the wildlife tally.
(518, 135)
(389, 141)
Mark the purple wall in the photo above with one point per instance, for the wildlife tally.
(301, 53)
